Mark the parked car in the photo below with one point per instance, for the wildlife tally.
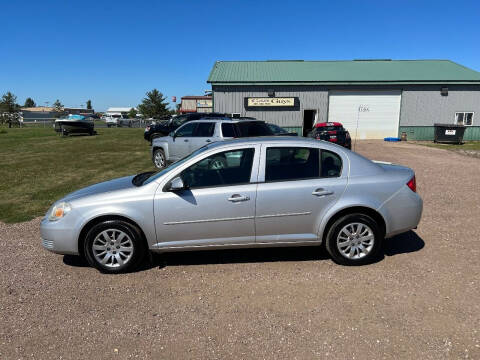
(333, 132)
(252, 192)
(113, 120)
(195, 134)
(164, 128)
(279, 131)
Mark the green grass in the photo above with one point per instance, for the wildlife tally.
(468, 145)
(37, 166)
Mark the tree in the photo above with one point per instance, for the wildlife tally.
(154, 105)
(57, 106)
(178, 107)
(9, 109)
(132, 113)
(89, 104)
(29, 103)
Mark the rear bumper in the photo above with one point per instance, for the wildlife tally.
(402, 212)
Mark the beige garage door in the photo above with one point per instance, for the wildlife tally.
(366, 114)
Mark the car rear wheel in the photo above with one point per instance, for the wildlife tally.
(354, 239)
(114, 246)
(159, 159)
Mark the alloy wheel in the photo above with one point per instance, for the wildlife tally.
(112, 248)
(355, 240)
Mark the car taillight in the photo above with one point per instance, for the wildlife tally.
(332, 131)
(412, 184)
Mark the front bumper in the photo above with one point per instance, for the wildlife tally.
(59, 236)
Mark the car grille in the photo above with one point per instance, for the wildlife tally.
(48, 244)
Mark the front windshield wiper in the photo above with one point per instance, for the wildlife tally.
(139, 179)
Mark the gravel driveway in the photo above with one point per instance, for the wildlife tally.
(420, 302)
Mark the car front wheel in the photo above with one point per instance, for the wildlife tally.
(159, 159)
(114, 246)
(354, 239)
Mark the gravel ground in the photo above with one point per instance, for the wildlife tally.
(420, 302)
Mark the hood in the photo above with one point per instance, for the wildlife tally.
(103, 187)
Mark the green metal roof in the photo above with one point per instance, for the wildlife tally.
(342, 72)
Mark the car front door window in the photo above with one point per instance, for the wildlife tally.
(186, 131)
(221, 169)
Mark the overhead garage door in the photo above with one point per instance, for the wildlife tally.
(366, 114)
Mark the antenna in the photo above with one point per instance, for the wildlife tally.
(356, 128)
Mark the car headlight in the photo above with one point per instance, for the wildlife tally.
(59, 211)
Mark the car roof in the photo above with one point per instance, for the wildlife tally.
(226, 119)
(274, 140)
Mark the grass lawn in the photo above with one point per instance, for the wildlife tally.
(37, 166)
(468, 145)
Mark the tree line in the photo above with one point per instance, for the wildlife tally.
(153, 105)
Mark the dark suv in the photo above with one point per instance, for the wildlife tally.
(166, 127)
(333, 132)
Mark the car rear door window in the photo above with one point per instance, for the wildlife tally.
(331, 164)
(222, 169)
(292, 163)
(227, 130)
(204, 129)
(253, 128)
(186, 131)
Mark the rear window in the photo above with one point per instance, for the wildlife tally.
(253, 128)
(329, 128)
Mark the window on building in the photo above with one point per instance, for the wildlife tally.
(464, 118)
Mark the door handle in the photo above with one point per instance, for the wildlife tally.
(238, 198)
(186, 140)
(322, 192)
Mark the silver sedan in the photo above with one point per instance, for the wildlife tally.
(254, 192)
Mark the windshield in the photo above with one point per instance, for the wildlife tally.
(155, 175)
(179, 120)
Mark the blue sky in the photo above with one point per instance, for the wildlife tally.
(114, 51)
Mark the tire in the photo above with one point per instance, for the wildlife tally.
(363, 252)
(122, 235)
(159, 159)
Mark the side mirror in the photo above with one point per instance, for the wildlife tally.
(176, 184)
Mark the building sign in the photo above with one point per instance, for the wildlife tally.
(271, 101)
(204, 103)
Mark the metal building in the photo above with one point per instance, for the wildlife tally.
(372, 98)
